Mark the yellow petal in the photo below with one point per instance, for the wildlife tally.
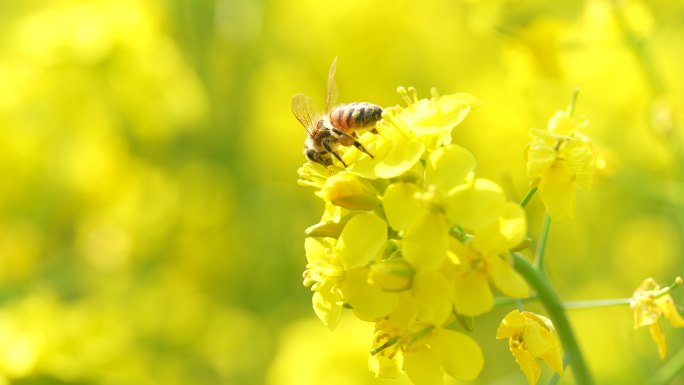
(475, 205)
(580, 162)
(659, 338)
(557, 192)
(384, 366)
(540, 156)
(421, 368)
(315, 249)
(667, 306)
(368, 302)
(328, 308)
(426, 241)
(527, 363)
(433, 296)
(537, 339)
(458, 355)
(363, 238)
(506, 279)
(644, 313)
(449, 166)
(512, 324)
(507, 232)
(472, 295)
(406, 311)
(400, 158)
(401, 206)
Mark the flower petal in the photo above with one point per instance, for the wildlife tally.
(506, 279)
(401, 206)
(659, 338)
(527, 363)
(368, 302)
(472, 295)
(362, 239)
(421, 368)
(540, 156)
(449, 166)
(315, 249)
(557, 192)
(580, 162)
(328, 308)
(433, 296)
(475, 205)
(401, 157)
(459, 355)
(513, 323)
(426, 241)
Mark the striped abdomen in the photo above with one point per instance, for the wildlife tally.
(347, 117)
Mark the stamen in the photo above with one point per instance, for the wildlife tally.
(414, 93)
(404, 95)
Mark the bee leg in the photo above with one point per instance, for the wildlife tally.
(335, 154)
(348, 140)
(358, 145)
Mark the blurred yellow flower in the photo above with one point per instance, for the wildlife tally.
(650, 303)
(556, 159)
(531, 336)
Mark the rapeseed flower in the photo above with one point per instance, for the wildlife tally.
(650, 303)
(421, 350)
(558, 158)
(531, 337)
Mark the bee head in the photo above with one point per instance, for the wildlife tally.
(318, 157)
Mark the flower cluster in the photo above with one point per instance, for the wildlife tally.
(411, 240)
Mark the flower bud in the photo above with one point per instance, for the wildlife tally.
(391, 275)
(350, 192)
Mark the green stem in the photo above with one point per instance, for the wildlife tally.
(541, 249)
(554, 307)
(528, 196)
(596, 303)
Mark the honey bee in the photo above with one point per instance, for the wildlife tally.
(336, 127)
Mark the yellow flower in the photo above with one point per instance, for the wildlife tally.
(337, 274)
(531, 336)
(424, 352)
(558, 158)
(485, 258)
(650, 302)
(405, 134)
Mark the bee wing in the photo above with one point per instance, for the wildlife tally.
(302, 108)
(331, 93)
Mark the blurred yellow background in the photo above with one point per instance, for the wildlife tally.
(151, 226)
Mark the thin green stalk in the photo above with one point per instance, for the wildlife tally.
(543, 238)
(596, 303)
(554, 307)
(528, 196)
